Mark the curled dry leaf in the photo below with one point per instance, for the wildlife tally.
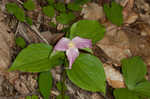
(128, 14)
(93, 11)
(129, 17)
(115, 44)
(114, 77)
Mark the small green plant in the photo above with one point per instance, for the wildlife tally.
(29, 5)
(20, 42)
(134, 72)
(65, 18)
(16, 11)
(49, 11)
(114, 13)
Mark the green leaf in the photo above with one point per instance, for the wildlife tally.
(88, 73)
(89, 29)
(114, 13)
(28, 97)
(57, 58)
(29, 5)
(50, 1)
(143, 88)
(45, 84)
(82, 1)
(52, 24)
(20, 42)
(59, 86)
(34, 97)
(87, 50)
(60, 97)
(49, 11)
(134, 71)
(74, 7)
(29, 20)
(60, 7)
(124, 93)
(65, 18)
(16, 11)
(34, 58)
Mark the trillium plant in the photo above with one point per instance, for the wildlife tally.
(85, 70)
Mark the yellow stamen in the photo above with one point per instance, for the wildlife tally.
(71, 45)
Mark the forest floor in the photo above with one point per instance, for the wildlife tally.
(130, 39)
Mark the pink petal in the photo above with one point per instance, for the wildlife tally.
(72, 54)
(62, 44)
(82, 43)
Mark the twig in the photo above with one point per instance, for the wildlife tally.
(20, 2)
(39, 34)
(18, 24)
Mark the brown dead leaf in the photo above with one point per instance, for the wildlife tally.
(129, 17)
(115, 44)
(114, 77)
(93, 11)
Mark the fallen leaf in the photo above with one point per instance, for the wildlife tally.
(115, 44)
(114, 77)
(93, 11)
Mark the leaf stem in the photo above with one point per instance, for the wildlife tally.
(63, 83)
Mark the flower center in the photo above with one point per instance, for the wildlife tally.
(71, 45)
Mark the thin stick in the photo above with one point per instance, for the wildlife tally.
(20, 2)
(39, 34)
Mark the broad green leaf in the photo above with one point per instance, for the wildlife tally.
(74, 7)
(65, 18)
(29, 20)
(50, 1)
(124, 93)
(45, 84)
(16, 11)
(49, 11)
(34, 58)
(88, 73)
(56, 58)
(114, 13)
(134, 71)
(89, 29)
(143, 88)
(60, 7)
(60, 97)
(20, 42)
(29, 5)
